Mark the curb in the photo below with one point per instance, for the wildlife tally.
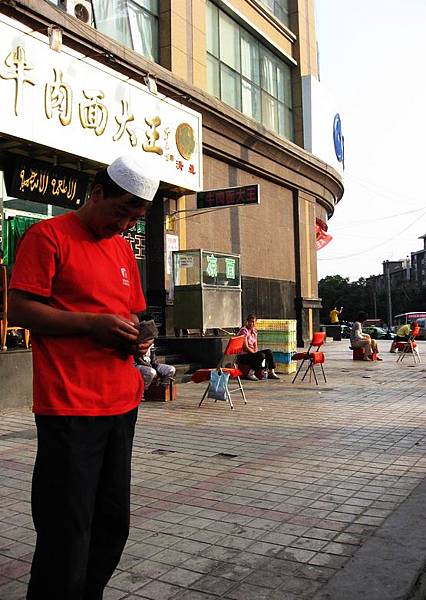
(391, 564)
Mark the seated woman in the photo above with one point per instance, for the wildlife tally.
(402, 335)
(362, 340)
(256, 359)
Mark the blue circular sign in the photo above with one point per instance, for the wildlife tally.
(339, 146)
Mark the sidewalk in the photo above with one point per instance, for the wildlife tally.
(305, 493)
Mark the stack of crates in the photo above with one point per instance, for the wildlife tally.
(279, 335)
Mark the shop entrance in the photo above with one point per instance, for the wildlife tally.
(149, 239)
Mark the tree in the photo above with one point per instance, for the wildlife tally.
(354, 296)
(333, 290)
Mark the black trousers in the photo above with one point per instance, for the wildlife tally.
(80, 504)
(255, 359)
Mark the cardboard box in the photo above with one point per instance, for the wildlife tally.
(161, 392)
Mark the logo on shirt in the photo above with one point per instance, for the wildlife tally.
(124, 277)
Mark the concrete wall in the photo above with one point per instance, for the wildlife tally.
(16, 379)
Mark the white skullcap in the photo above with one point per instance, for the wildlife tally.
(129, 173)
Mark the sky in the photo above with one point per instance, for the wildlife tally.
(373, 62)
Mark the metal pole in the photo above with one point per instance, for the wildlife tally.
(375, 300)
(388, 292)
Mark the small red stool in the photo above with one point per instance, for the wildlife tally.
(359, 353)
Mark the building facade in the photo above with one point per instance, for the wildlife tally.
(408, 272)
(209, 94)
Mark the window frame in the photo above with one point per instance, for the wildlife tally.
(283, 112)
(277, 10)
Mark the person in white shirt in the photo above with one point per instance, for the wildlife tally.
(362, 340)
(150, 368)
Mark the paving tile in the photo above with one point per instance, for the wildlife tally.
(245, 591)
(283, 594)
(265, 548)
(171, 557)
(307, 543)
(340, 549)
(235, 542)
(190, 546)
(14, 569)
(230, 571)
(128, 582)
(113, 594)
(13, 590)
(214, 585)
(164, 540)
(248, 559)
(304, 493)
(220, 553)
(150, 568)
(200, 564)
(328, 560)
(142, 550)
(194, 595)
(276, 537)
(272, 573)
(180, 576)
(158, 590)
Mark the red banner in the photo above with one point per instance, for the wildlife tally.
(322, 237)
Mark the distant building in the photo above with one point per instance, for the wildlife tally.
(418, 264)
(408, 272)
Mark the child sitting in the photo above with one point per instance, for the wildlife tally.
(150, 368)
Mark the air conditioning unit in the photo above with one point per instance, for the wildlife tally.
(80, 9)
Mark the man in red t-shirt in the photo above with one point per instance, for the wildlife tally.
(76, 286)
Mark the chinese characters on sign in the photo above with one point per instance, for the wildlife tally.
(58, 97)
(136, 238)
(42, 182)
(220, 269)
(230, 268)
(17, 66)
(68, 101)
(248, 194)
(211, 266)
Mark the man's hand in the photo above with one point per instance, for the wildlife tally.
(34, 313)
(113, 330)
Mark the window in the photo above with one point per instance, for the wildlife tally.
(134, 23)
(242, 72)
(279, 8)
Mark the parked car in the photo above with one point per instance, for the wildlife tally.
(346, 331)
(378, 333)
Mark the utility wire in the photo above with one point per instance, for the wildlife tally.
(377, 190)
(408, 212)
(372, 247)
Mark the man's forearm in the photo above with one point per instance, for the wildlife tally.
(39, 317)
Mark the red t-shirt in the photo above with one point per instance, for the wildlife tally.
(59, 259)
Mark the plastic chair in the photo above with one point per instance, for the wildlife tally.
(4, 327)
(312, 357)
(233, 348)
(409, 347)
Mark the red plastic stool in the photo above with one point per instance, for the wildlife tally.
(358, 353)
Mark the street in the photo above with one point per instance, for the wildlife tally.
(307, 492)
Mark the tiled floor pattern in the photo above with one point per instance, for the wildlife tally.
(263, 502)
